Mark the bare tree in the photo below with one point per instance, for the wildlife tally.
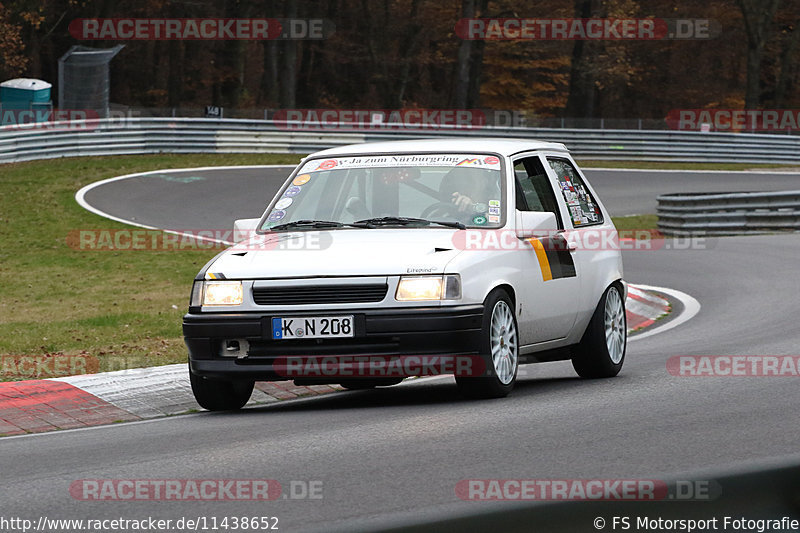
(582, 89)
(464, 60)
(758, 16)
(788, 64)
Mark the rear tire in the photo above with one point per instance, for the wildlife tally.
(219, 394)
(499, 350)
(601, 352)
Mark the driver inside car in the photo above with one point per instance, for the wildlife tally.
(467, 189)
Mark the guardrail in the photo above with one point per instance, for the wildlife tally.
(729, 213)
(120, 136)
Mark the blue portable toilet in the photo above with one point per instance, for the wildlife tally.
(24, 100)
(24, 93)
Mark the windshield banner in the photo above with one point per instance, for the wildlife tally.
(484, 161)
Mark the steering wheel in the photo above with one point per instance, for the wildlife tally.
(441, 208)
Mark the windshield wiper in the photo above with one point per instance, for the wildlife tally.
(404, 221)
(312, 224)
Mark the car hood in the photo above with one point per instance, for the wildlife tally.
(343, 252)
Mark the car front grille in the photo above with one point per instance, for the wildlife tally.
(320, 294)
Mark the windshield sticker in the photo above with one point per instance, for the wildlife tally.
(301, 179)
(494, 203)
(494, 210)
(276, 215)
(480, 207)
(292, 191)
(283, 203)
(493, 219)
(377, 161)
(479, 220)
(479, 162)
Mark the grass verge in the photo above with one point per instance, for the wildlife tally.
(631, 223)
(114, 310)
(680, 165)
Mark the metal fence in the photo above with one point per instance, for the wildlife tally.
(118, 136)
(729, 213)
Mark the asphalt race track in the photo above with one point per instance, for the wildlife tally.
(213, 199)
(396, 453)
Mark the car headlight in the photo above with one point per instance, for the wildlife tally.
(222, 293)
(412, 288)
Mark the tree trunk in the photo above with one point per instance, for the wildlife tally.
(580, 100)
(288, 89)
(269, 76)
(410, 46)
(175, 74)
(788, 65)
(476, 63)
(758, 15)
(462, 77)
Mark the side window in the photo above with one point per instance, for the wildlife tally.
(583, 208)
(534, 192)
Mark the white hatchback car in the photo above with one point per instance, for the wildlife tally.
(379, 261)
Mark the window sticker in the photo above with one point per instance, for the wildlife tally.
(571, 197)
(283, 203)
(479, 220)
(582, 207)
(292, 191)
(276, 215)
(577, 213)
(302, 179)
(494, 203)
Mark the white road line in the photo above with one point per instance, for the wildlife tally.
(80, 196)
(690, 308)
(777, 170)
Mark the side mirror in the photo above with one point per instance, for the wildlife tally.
(244, 229)
(535, 223)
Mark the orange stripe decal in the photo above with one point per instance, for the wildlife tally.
(541, 255)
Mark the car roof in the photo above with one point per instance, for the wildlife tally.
(503, 146)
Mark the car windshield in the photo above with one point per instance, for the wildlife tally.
(392, 190)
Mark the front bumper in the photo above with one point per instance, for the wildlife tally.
(440, 331)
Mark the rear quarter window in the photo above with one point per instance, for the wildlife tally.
(582, 206)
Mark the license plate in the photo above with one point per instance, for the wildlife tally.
(315, 327)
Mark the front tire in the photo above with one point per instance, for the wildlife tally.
(499, 350)
(601, 352)
(219, 394)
